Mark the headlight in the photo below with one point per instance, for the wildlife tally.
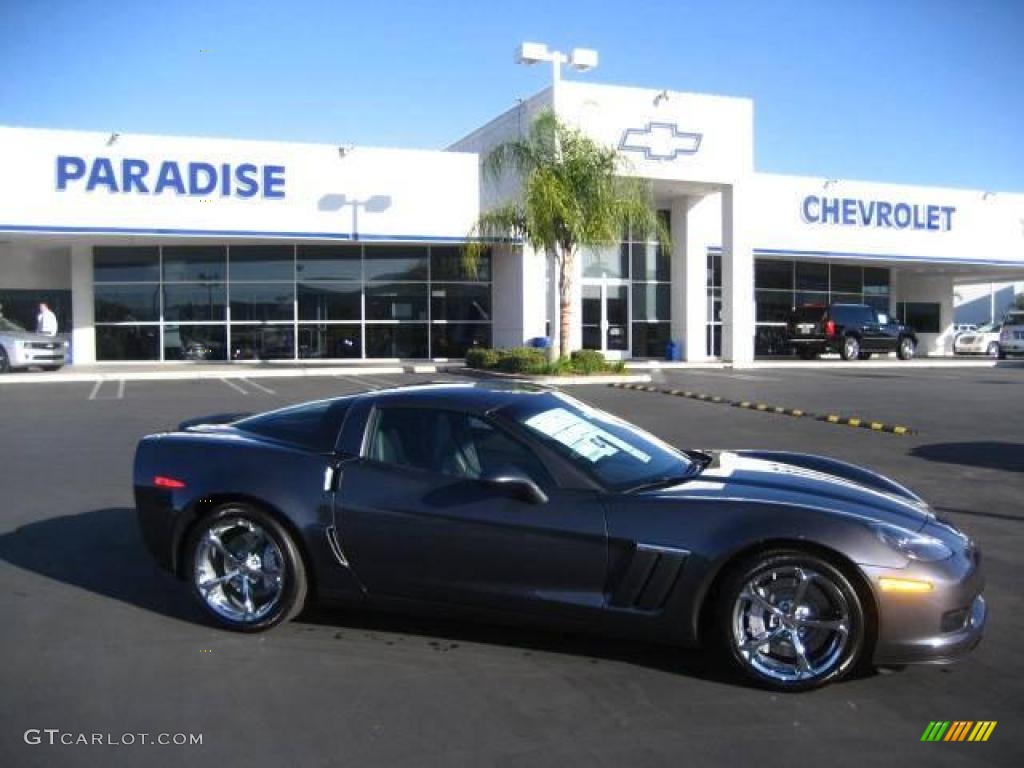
(916, 546)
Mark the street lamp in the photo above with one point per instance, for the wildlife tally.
(582, 60)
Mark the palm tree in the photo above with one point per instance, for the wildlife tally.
(571, 197)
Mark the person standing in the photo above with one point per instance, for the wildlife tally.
(46, 321)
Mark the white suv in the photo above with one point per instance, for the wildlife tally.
(1011, 337)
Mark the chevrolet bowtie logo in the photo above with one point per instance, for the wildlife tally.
(660, 141)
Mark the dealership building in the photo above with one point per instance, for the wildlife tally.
(154, 248)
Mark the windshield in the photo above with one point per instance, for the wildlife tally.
(989, 328)
(1014, 318)
(10, 325)
(615, 453)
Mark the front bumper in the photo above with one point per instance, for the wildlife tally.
(936, 627)
(24, 356)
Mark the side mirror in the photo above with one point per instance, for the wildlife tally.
(883, 319)
(516, 483)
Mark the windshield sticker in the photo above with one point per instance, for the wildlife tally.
(582, 437)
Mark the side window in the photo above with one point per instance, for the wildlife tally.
(448, 443)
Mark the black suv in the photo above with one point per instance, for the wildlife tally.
(855, 331)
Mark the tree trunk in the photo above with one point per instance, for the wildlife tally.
(565, 275)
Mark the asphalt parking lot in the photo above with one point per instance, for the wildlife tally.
(97, 639)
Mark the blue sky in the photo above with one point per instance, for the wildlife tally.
(925, 91)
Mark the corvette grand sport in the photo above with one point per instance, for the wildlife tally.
(516, 503)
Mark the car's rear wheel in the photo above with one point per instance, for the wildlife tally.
(791, 621)
(245, 569)
(850, 349)
(906, 348)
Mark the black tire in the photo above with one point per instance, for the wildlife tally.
(294, 587)
(995, 351)
(864, 355)
(850, 349)
(5, 363)
(52, 367)
(906, 348)
(838, 653)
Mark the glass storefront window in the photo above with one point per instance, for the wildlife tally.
(803, 298)
(396, 263)
(195, 342)
(127, 303)
(265, 302)
(127, 342)
(195, 301)
(811, 276)
(773, 274)
(922, 316)
(846, 279)
(329, 262)
(448, 262)
(330, 301)
(453, 339)
(262, 342)
(195, 263)
(396, 301)
(458, 301)
(651, 339)
(330, 341)
(650, 262)
(262, 262)
(773, 306)
(608, 261)
(396, 340)
(193, 290)
(652, 301)
(126, 264)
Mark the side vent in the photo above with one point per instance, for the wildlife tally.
(335, 545)
(649, 577)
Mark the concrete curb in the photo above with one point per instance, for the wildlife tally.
(611, 379)
(240, 373)
(827, 418)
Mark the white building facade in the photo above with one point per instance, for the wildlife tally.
(171, 248)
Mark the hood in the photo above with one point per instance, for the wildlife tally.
(29, 336)
(737, 476)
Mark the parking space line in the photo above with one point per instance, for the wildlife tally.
(260, 387)
(95, 389)
(361, 381)
(120, 389)
(233, 385)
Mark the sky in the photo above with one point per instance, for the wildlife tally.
(910, 91)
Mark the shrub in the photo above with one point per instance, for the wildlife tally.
(521, 360)
(481, 357)
(588, 361)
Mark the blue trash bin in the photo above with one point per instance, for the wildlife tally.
(674, 351)
(540, 342)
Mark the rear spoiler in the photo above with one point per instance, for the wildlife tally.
(217, 418)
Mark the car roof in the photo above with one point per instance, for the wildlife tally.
(475, 397)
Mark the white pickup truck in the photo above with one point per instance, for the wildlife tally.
(1011, 337)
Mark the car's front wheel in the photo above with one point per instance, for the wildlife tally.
(906, 348)
(5, 363)
(791, 621)
(993, 350)
(245, 569)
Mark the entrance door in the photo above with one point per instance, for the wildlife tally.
(606, 317)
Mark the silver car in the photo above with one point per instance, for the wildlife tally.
(983, 341)
(20, 348)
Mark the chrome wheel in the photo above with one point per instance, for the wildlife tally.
(238, 570)
(993, 350)
(906, 349)
(791, 624)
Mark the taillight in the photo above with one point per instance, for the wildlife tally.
(830, 328)
(161, 481)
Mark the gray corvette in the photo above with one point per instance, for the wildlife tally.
(523, 504)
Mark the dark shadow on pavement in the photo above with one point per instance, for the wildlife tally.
(100, 551)
(988, 454)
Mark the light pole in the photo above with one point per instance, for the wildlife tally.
(582, 60)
